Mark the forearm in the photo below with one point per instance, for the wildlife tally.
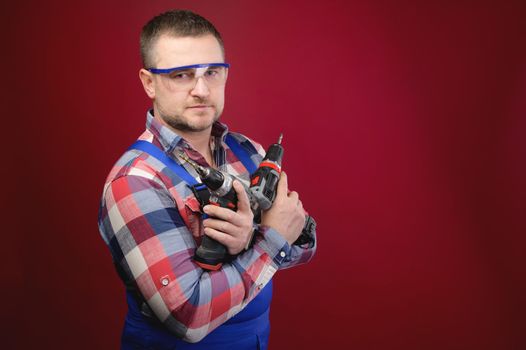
(195, 301)
(155, 248)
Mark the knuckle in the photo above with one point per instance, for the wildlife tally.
(232, 216)
(228, 215)
(211, 233)
(209, 209)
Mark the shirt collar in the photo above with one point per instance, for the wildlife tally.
(169, 139)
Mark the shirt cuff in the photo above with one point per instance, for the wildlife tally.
(274, 244)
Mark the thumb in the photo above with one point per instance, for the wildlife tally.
(243, 203)
(283, 185)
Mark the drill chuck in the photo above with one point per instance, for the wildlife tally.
(217, 182)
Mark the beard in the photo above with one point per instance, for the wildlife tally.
(181, 123)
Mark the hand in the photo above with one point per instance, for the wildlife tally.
(286, 214)
(231, 228)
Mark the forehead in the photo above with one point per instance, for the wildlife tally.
(170, 51)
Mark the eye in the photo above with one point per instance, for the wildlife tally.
(181, 75)
(212, 72)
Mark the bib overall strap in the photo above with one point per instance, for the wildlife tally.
(200, 190)
(241, 153)
(156, 152)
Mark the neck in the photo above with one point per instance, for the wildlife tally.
(199, 140)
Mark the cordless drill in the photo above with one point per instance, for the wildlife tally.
(262, 191)
(211, 254)
(264, 184)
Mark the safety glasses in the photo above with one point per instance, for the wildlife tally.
(185, 77)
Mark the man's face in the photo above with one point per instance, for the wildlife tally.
(193, 109)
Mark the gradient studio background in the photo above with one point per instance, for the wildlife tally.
(404, 126)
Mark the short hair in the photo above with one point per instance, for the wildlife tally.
(177, 23)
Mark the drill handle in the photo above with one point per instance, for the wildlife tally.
(210, 254)
(263, 185)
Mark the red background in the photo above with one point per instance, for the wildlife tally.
(403, 124)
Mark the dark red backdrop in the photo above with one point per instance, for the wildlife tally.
(404, 126)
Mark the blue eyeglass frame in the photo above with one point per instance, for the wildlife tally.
(170, 70)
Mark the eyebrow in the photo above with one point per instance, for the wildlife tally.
(177, 69)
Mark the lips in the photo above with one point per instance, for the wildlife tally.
(199, 106)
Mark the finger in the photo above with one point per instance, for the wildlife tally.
(220, 225)
(219, 212)
(243, 203)
(283, 185)
(221, 237)
(294, 195)
(224, 214)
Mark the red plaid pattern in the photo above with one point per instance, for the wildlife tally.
(151, 222)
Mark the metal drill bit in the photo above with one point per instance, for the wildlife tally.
(186, 159)
(200, 170)
(280, 138)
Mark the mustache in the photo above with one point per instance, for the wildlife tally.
(200, 101)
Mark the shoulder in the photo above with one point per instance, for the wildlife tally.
(138, 164)
(251, 146)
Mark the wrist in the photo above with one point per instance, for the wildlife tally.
(273, 243)
(278, 231)
(252, 236)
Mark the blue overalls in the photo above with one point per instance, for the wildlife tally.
(248, 330)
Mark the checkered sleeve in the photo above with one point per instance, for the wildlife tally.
(294, 255)
(149, 239)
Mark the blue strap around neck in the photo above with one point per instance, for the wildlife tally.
(157, 153)
(240, 152)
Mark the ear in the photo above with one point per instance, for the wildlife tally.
(147, 82)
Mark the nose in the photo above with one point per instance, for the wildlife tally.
(200, 89)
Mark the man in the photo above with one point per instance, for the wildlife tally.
(153, 223)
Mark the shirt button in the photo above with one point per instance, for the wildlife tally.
(282, 254)
(165, 281)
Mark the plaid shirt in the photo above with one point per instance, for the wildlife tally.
(152, 224)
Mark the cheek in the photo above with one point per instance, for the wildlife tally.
(166, 92)
(172, 99)
(219, 98)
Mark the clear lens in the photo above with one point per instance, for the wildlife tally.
(186, 79)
